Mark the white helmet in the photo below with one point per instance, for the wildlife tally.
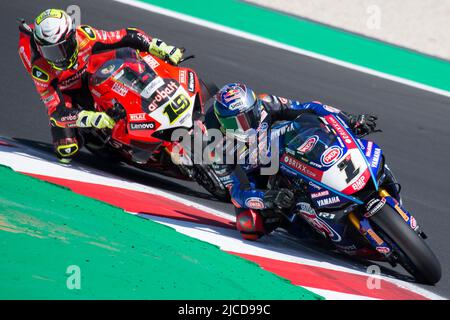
(55, 38)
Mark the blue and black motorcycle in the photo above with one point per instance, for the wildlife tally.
(354, 199)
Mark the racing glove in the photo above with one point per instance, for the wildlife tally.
(99, 120)
(363, 124)
(160, 49)
(282, 198)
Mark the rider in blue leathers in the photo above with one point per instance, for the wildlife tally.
(237, 111)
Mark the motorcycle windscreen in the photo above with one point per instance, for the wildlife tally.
(310, 138)
(324, 156)
(105, 71)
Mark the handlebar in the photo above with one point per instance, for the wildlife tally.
(183, 50)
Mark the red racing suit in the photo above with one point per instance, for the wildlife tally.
(64, 91)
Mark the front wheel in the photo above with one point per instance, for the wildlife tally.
(410, 250)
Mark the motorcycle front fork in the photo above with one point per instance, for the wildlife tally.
(363, 225)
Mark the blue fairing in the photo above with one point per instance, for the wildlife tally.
(372, 152)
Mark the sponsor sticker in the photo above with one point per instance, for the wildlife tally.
(191, 83)
(182, 76)
(142, 126)
(331, 109)
(315, 186)
(151, 87)
(318, 224)
(71, 117)
(341, 131)
(341, 143)
(359, 184)
(373, 206)
(376, 157)
(151, 61)
(162, 95)
(328, 201)
(137, 116)
(302, 167)
(383, 250)
(48, 99)
(89, 32)
(331, 155)
(369, 148)
(119, 89)
(313, 164)
(308, 145)
(232, 94)
(254, 203)
(320, 194)
(402, 213)
(375, 237)
(413, 223)
(327, 215)
(41, 84)
(39, 74)
(24, 57)
(72, 79)
(50, 13)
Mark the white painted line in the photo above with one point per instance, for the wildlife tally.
(333, 295)
(276, 44)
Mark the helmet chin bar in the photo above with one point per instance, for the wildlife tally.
(72, 62)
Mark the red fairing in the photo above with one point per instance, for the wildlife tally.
(155, 94)
(44, 76)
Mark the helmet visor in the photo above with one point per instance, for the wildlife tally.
(244, 123)
(62, 54)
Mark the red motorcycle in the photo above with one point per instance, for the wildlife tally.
(149, 98)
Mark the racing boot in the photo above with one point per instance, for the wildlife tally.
(65, 143)
(254, 224)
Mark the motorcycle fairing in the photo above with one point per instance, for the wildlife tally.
(373, 153)
(137, 82)
(333, 160)
(286, 169)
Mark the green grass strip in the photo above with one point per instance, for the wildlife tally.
(45, 228)
(317, 38)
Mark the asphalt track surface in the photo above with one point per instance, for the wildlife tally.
(415, 137)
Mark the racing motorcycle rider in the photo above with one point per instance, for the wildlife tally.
(55, 53)
(236, 107)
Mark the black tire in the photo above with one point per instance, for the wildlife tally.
(415, 255)
(104, 154)
(205, 176)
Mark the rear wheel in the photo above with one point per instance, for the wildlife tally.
(410, 250)
(205, 176)
(209, 89)
(97, 147)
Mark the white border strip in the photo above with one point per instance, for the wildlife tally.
(276, 44)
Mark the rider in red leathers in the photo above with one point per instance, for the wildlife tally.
(55, 54)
